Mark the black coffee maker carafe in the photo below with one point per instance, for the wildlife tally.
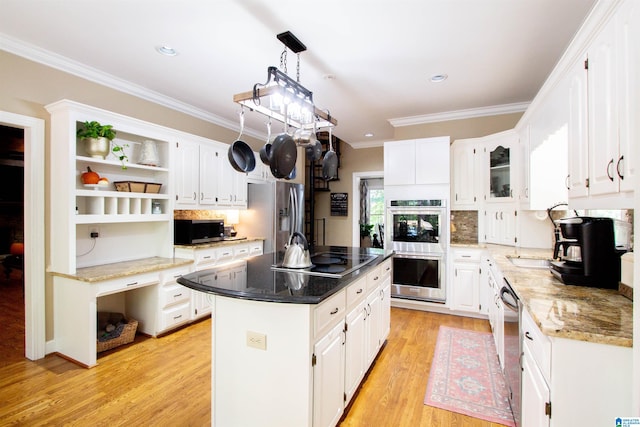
(586, 254)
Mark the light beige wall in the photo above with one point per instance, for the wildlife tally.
(26, 87)
(340, 229)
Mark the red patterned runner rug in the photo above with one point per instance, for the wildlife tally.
(466, 377)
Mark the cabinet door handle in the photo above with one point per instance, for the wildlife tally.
(177, 276)
(177, 317)
(501, 215)
(359, 291)
(566, 182)
(132, 284)
(195, 196)
(496, 215)
(177, 295)
(334, 311)
(528, 336)
(609, 172)
(618, 167)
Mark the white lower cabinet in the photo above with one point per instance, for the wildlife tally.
(465, 290)
(568, 382)
(328, 378)
(535, 393)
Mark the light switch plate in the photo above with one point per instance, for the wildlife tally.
(256, 340)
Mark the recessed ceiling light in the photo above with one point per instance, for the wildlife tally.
(438, 78)
(368, 134)
(166, 50)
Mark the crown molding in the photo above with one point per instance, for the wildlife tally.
(67, 65)
(459, 114)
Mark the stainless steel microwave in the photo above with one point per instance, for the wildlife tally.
(194, 231)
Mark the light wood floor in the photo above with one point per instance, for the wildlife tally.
(166, 381)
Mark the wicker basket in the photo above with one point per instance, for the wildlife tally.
(127, 336)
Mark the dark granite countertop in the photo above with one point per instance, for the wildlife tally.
(262, 283)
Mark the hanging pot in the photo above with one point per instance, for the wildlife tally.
(314, 152)
(265, 151)
(330, 162)
(240, 153)
(284, 153)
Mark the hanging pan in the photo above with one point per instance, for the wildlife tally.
(265, 151)
(284, 153)
(240, 153)
(330, 162)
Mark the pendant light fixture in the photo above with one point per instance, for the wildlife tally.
(283, 98)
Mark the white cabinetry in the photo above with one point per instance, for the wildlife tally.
(214, 183)
(174, 301)
(466, 174)
(560, 386)
(603, 128)
(328, 378)
(421, 161)
(500, 224)
(465, 290)
(356, 346)
(500, 163)
(125, 223)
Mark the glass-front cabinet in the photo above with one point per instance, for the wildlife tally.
(500, 154)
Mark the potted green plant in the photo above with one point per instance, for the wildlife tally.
(365, 235)
(98, 141)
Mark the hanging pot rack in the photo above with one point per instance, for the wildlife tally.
(266, 98)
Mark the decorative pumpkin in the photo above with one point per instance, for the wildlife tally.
(90, 177)
(17, 248)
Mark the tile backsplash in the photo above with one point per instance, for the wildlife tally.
(464, 226)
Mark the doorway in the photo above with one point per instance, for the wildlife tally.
(375, 217)
(33, 230)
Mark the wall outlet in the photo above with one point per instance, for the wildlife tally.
(94, 232)
(256, 340)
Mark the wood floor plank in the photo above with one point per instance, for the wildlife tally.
(167, 381)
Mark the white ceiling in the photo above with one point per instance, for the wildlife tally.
(381, 53)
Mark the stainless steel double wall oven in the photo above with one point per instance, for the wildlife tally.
(417, 230)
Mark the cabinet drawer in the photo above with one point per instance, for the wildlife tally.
(385, 268)
(170, 276)
(255, 248)
(329, 312)
(224, 254)
(173, 294)
(467, 255)
(374, 278)
(174, 316)
(131, 282)
(241, 251)
(538, 343)
(356, 292)
(205, 257)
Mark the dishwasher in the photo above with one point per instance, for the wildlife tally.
(512, 348)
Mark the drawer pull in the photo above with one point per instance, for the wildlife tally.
(177, 295)
(132, 284)
(334, 311)
(375, 278)
(177, 276)
(177, 317)
(466, 256)
(206, 257)
(528, 336)
(359, 291)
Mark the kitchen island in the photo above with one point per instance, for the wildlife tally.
(290, 348)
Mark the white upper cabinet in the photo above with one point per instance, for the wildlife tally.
(420, 161)
(466, 174)
(204, 177)
(500, 154)
(601, 146)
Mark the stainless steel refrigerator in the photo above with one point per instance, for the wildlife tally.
(274, 211)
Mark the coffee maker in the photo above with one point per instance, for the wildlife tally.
(585, 253)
